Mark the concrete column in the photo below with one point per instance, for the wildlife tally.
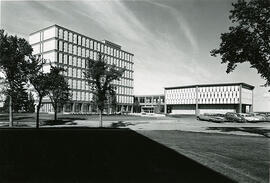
(90, 108)
(73, 107)
(197, 98)
(64, 108)
(240, 98)
(251, 106)
(81, 109)
(165, 104)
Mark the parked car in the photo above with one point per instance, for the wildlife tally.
(250, 118)
(217, 118)
(261, 116)
(204, 117)
(234, 117)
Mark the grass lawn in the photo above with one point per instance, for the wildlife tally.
(94, 155)
(242, 158)
(29, 118)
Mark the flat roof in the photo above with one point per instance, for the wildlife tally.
(245, 85)
(56, 25)
(161, 95)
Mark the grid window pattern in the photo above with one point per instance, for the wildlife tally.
(208, 95)
(70, 50)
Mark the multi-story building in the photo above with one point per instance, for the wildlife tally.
(209, 98)
(149, 103)
(68, 49)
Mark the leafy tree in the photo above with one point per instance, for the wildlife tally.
(20, 100)
(30, 105)
(113, 102)
(136, 105)
(58, 89)
(13, 51)
(100, 76)
(39, 80)
(248, 40)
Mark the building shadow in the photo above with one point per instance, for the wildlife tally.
(94, 155)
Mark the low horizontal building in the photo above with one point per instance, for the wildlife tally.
(149, 103)
(209, 98)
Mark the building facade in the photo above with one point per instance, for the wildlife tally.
(68, 49)
(209, 98)
(149, 103)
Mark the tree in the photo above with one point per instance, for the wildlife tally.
(248, 40)
(39, 80)
(30, 105)
(20, 100)
(113, 102)
(58, 89)
(136, 105)
(100, 76)
(13, 51)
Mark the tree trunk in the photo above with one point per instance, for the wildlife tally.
(55, 112)
(10, 112)
(38, 108)
(100, 117)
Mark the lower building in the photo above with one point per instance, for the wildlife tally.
(209, 98)
(149, 103)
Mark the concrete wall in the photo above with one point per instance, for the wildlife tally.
(183, 109)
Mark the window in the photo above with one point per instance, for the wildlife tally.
(60, 46)
(70, 48)
(60, 58)
(79, 64)
(83, 85)
(79, 51)
(75, 38)
(65, 59)
(79, 85)
(83, 63)
(74, 72)
(79, 40)
(87, 43)
(83, 41)
(70, 37)
(60, 33)
(91, 44)
(98, 46)
(102, 48)
(65, 47)
(70, 72)
(75, 50)
(65, 35)
(83, 52)
(74, 61)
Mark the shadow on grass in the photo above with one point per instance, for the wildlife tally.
(71, 118)
(16, 117)
(256, 130)
(58, 122)
(93, 155)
